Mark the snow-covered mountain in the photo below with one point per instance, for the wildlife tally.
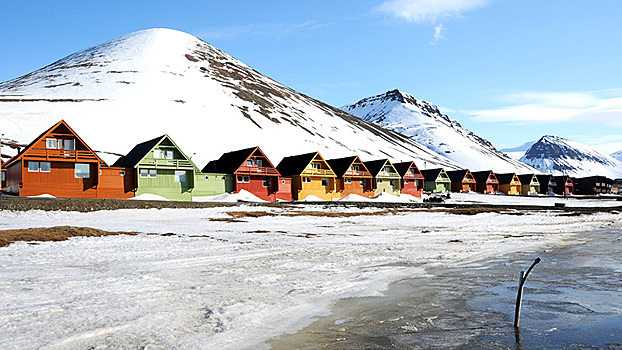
(519, 151)
(425, 123)
(552, 154)
(162, 81)
(617, 155)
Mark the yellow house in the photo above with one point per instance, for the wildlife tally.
(310, 174)
(509, 183)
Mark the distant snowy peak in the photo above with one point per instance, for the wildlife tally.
(424, 122)
(553, 154)
(519, 151)
(617, 155)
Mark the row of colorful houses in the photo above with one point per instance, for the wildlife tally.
(61, 164)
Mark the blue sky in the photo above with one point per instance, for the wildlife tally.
(511, 71)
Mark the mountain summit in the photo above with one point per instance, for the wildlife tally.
(553, 154)
(162, 81)
(424, 123)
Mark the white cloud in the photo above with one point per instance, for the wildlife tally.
(421, 11)
(439, 30)
(597, 107)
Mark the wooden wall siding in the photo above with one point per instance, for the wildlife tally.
(14, 178)
(437, 186)
(301, 190)
(256, 186)
(112, 184)
(387, 184)
(487, 187)
(511, 189)
(212, 184)
(164, 185)
(413, 187)
(344, 189)
(530, 186)
(285, 189)
(60, 181)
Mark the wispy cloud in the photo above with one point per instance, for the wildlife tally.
(429, 11)
(597, 107)
(439, 30)
(277, 30)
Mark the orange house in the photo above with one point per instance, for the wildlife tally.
(61, 164)
(462, 181)
(310, 175)
(353, 177)
(509, 183)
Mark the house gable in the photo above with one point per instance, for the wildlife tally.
(161, 152)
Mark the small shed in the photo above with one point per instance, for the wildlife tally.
(252, 171)
(386, 179)
(486, 182)
(509, 183)
(353, 177)
(592, 185)
(547, 184)
(529, 184)
(565, 185)
(462, 181)
(310, 175)
(436, 180)
(412, 180)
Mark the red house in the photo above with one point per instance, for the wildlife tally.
(61, 164)
(565, 185)
(412, 180)
(252, 171)
(486, 182)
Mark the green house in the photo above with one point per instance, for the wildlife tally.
(436, 180)
(163, 169)
(386, 178)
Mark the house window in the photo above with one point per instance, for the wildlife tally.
(324, 182)
(354, 167)
(82, 171)
(244, 179)
(418, 183)
(249, 162)
(153, 173)
(406, 181)
(50, 143)
(33, 167)
(412, 171)
(258, 163)
(157, 153)
(363, 182)
(169, 154)
(69, 145)
(144, 172)
(3, 176)
(379, 181)
(267, 181)
(348, 180)
(387, 169)
(45, 167)
(392, 182)
(306, 179)
(317, 165)
(180, 176)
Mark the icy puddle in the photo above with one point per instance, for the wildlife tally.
(573, 298)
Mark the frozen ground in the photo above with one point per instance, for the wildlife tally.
(232, 278)
(502, 199)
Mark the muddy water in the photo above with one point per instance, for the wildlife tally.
(572, 299)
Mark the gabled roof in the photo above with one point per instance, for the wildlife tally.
(431, 174)
(403, 167)
(563, 178)
(457, 175)
(505, 178)
(295, 165)
(230, 162)
(482, 176)
(526, 178)
(138, 153)
(341, 165)
(19, 155)
(375, 166)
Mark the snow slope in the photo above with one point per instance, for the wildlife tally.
(190, 282)
(617, 155)
(425, 123)
(162, 81)
(556, 155)
(519, 151)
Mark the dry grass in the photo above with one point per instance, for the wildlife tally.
(57, 233)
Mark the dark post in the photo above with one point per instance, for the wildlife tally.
(519, 297)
